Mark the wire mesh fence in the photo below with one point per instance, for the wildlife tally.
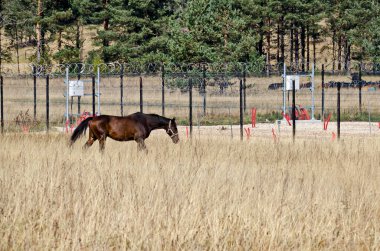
(203, 94)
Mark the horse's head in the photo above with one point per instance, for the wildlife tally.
(172, 131)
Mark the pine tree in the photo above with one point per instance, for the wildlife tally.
(134, 30)
(212, 31)
(18, 25)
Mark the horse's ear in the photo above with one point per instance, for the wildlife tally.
(173, 119)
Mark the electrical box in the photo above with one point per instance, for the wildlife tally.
(76, 88)
(289, 82)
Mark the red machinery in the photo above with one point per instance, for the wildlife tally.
(301, 113)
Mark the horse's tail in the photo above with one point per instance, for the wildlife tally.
(81, 129)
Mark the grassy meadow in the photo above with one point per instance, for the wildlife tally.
(201, 194)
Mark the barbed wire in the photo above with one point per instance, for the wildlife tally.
(177, 70)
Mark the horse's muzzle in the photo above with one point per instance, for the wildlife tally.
(175, 139)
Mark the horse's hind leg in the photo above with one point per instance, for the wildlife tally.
(91, 139)
(102, 142)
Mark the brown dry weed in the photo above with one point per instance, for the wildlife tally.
(208, 193)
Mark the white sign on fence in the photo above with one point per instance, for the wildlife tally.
(289, 82)
(76, 88)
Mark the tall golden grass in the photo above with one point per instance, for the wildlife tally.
(203, 194)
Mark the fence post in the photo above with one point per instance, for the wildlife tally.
(294, 108)
(163, 89)
(141, 95)
(79, 98)
(191, 106)
(241, 107)
(34, 93)
(244, 91)
(360, 89)
(121, 90)
(323, 92)
(47, 103)
(93, 95)
(338, 110)
(204, 90)
(67, 93)
(98, 83)
(2, 103)
(284, 93)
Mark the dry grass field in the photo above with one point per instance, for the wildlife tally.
(201, 194)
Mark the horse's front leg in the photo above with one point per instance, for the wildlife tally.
(141, 145)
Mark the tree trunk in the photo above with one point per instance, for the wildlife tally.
(78, 43)
(261, 39)
(333, 50)
(278, 44)
(17, 51)
(260, 45)
(59, 39)
(314, 49)
(225, 31)
(303, 45)
(106, 28)
(291, 45)
(105, 23)
(307, 48)
(43, 47)
(346, 55)
(59, 42)
(282, 40)
(296, 48)
(268, 34)
(81, 43)
(38, 31)
(340, 53)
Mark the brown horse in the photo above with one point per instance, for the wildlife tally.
(135, 127)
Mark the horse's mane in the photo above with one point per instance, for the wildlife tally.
(160, 118)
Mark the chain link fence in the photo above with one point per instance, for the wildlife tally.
(35, 96)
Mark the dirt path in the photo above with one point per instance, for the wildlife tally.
(283, 130)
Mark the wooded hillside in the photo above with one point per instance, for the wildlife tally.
(271, 31)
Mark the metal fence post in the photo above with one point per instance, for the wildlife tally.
(241, 108)
(2, 103)
(323, 92)
(244, 91)
(312, 92)
(338, 110)
(163, 89)
(360, 89)
(67, 93)
(191, 106)
(93, 95)
(284, 92)
(98, 83)
(204, 90)
(79, 98)
(47, 103)
(141, 95)
(121, 90)
(34, 93)
(294, 108)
